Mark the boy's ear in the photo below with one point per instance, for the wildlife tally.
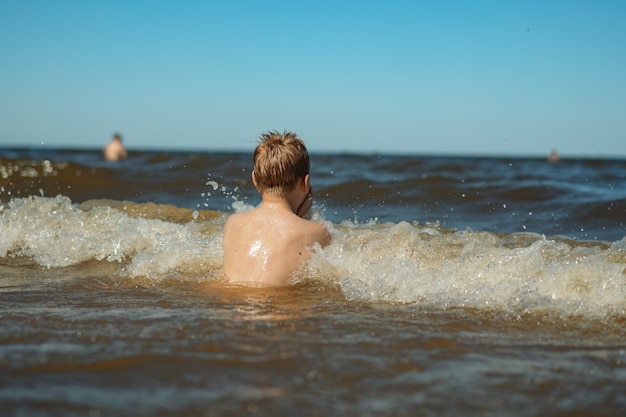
(306, 183)
(254, 179)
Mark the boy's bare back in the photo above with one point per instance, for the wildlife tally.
(265, 246)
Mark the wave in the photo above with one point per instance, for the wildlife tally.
(146, 239)
(398, 262)
(518, 273)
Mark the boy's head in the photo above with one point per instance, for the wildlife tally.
(280, 160)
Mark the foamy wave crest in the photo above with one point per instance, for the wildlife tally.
(405, 263)
(391, 262)
(53, 232)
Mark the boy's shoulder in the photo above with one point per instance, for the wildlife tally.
(296, 223)
(316, 231)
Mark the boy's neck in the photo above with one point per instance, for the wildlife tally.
(283, 203)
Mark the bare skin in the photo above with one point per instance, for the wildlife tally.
(265, 246)
(114, 151)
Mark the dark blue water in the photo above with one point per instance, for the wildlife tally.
(582, 199)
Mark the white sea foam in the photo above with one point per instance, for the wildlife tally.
(55, 233)
(403, 263)
(394, 263)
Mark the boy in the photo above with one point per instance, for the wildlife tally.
(265, 246)
(114, 150)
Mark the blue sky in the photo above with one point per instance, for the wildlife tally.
(420, 77)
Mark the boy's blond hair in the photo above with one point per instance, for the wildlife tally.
(280, 159)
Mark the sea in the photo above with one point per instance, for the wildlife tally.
(453, 286)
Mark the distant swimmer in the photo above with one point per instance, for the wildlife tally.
(265, 246)
(114, 150)
(553, 158)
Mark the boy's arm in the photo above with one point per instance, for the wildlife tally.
(324, 236)
(305, 206)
